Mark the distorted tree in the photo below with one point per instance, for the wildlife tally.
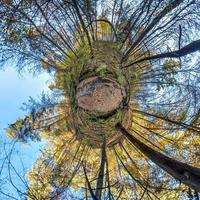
(124, 96)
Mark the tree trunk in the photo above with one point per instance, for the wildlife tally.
(188, 49)
(171, 5)
(183, 172)
(101, 172)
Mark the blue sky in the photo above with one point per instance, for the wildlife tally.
(14, 90)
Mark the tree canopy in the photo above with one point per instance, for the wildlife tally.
(122, 120)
